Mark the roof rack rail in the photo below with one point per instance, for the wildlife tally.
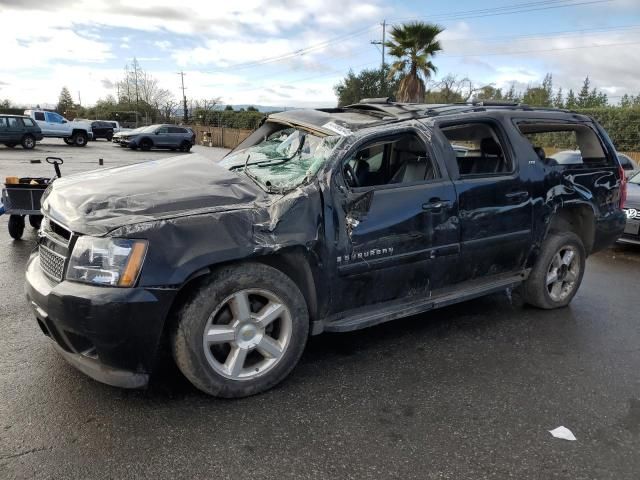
(381, 100)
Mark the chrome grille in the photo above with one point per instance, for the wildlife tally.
(52, 263)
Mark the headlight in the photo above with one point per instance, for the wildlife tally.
(107, 261)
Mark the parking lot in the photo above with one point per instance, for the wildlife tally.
(469, 391)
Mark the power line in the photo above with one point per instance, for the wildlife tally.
(508, 10)
(539, 51)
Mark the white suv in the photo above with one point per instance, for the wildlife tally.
(54, 125)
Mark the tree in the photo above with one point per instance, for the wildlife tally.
(537, 97)
(413, 44)
(488, 92)
(558, 100)
(372, 83)
(6, 103)
(203, 109)
(251, 108)
(65, 101)
(583, 96)
(451, 89)
(228, 108)
(571, 102)
(512, 95)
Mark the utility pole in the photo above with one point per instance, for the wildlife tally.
(381, 43)
(184, 99)
(79, 99)
(135, 78)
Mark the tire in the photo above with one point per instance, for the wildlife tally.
(35, 221)
(79, 139)
(16, 226)
(109, 137)
(28, 142)
(145, 145)
(68, 141)
(10, 145)
(557, 274)
(210, 368)
(185, 146)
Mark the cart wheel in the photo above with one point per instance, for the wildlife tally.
(35, 220)
(16, 226)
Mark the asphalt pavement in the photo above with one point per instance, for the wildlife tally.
(466, 392)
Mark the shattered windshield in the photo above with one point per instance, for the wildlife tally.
(283, 159)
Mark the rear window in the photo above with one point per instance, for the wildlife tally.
(565, 144)
(28, 122)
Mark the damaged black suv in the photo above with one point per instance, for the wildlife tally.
(323, 220)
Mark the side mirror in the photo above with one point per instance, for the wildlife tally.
(157, 133)
(64, 121)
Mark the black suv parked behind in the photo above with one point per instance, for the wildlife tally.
(19, 130)
(102, 130)
(322, 220)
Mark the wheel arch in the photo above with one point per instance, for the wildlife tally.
(79, 130)
(295, 262)
(576, 218)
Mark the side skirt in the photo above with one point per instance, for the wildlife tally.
(370, 315)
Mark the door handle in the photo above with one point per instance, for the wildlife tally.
(436, 204)
(517, 195)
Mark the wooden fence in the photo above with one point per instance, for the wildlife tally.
(224, 137)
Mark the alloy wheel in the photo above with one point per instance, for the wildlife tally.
(563, 273)
(247, 334)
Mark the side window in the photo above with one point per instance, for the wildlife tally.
(28, 122)
(54, 117)
(565, 143)
(3, 123)
(14, 122)
(398, 160)
(39, 116)
(113, 124)
(162, 130)
(478, 149)
(176, 130)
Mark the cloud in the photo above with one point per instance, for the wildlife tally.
(163, 44)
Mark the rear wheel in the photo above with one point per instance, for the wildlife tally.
(558, 272)
(242, 332)
(79, 139)
(28, 142)
(16, 226)
(185, 146)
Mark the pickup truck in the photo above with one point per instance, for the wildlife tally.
(54, 125)
(322, 220)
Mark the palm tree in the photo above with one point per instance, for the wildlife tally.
(413, 44)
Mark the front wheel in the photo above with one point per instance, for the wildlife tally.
(558, 272)
(16, 226)
(28, 142)
(79, 139)
(145, 145)
(242, 332)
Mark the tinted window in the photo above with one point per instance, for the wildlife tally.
(478, 149)
(162, 130)
(39, 116)
(626, 162)
(3, 123)
(28, 122)
(14, 122)
(177, 130)
(112, 124)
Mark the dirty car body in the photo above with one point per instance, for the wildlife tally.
(367, 209)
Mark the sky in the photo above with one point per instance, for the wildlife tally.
(290, 53)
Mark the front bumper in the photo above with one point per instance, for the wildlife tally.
(110, 334)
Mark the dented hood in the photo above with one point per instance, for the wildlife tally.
(99, 201)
